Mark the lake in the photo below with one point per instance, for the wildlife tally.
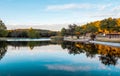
(46, 58)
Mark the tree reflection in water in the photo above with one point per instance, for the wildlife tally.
(30, 44)
(108, 55)
(72, 48)
(108, 59)
(3, 49)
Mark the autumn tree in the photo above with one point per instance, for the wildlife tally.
(108, 24)
(91, 28)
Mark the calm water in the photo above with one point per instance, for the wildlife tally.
(64, 59)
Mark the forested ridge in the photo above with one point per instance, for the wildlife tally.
(25, 33)
(109, 25)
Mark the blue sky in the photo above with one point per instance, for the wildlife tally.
(36, 13)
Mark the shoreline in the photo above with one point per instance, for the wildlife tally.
(102, 42)
(113, 40)
(25, 39)
(102, 39)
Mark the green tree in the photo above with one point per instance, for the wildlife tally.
(2, 25)
(91, 28)
(63, 32)
(78, 31)
(33, 34)
(72, 29)
(108, 24)
(3, 31)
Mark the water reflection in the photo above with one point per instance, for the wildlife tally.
(30, 44)
(72, 49)
(107, 55)
(3, 49)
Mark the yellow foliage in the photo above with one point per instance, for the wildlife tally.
(102, 49)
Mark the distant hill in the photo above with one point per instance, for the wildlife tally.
(35, 33)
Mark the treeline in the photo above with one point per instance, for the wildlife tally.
(25, 33)
(31, 33)
(108, 56)
(109, 25)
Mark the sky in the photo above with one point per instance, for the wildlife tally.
(55, 14)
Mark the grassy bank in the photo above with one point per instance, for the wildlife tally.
(57, 39)
(115, 40)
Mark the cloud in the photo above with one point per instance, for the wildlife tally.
(72, 68)
(68, 68)
(103, 7)
(78, 6)
(116, 11)
(116, 8)
(102, 15)
(109, 11)
(68, 6)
